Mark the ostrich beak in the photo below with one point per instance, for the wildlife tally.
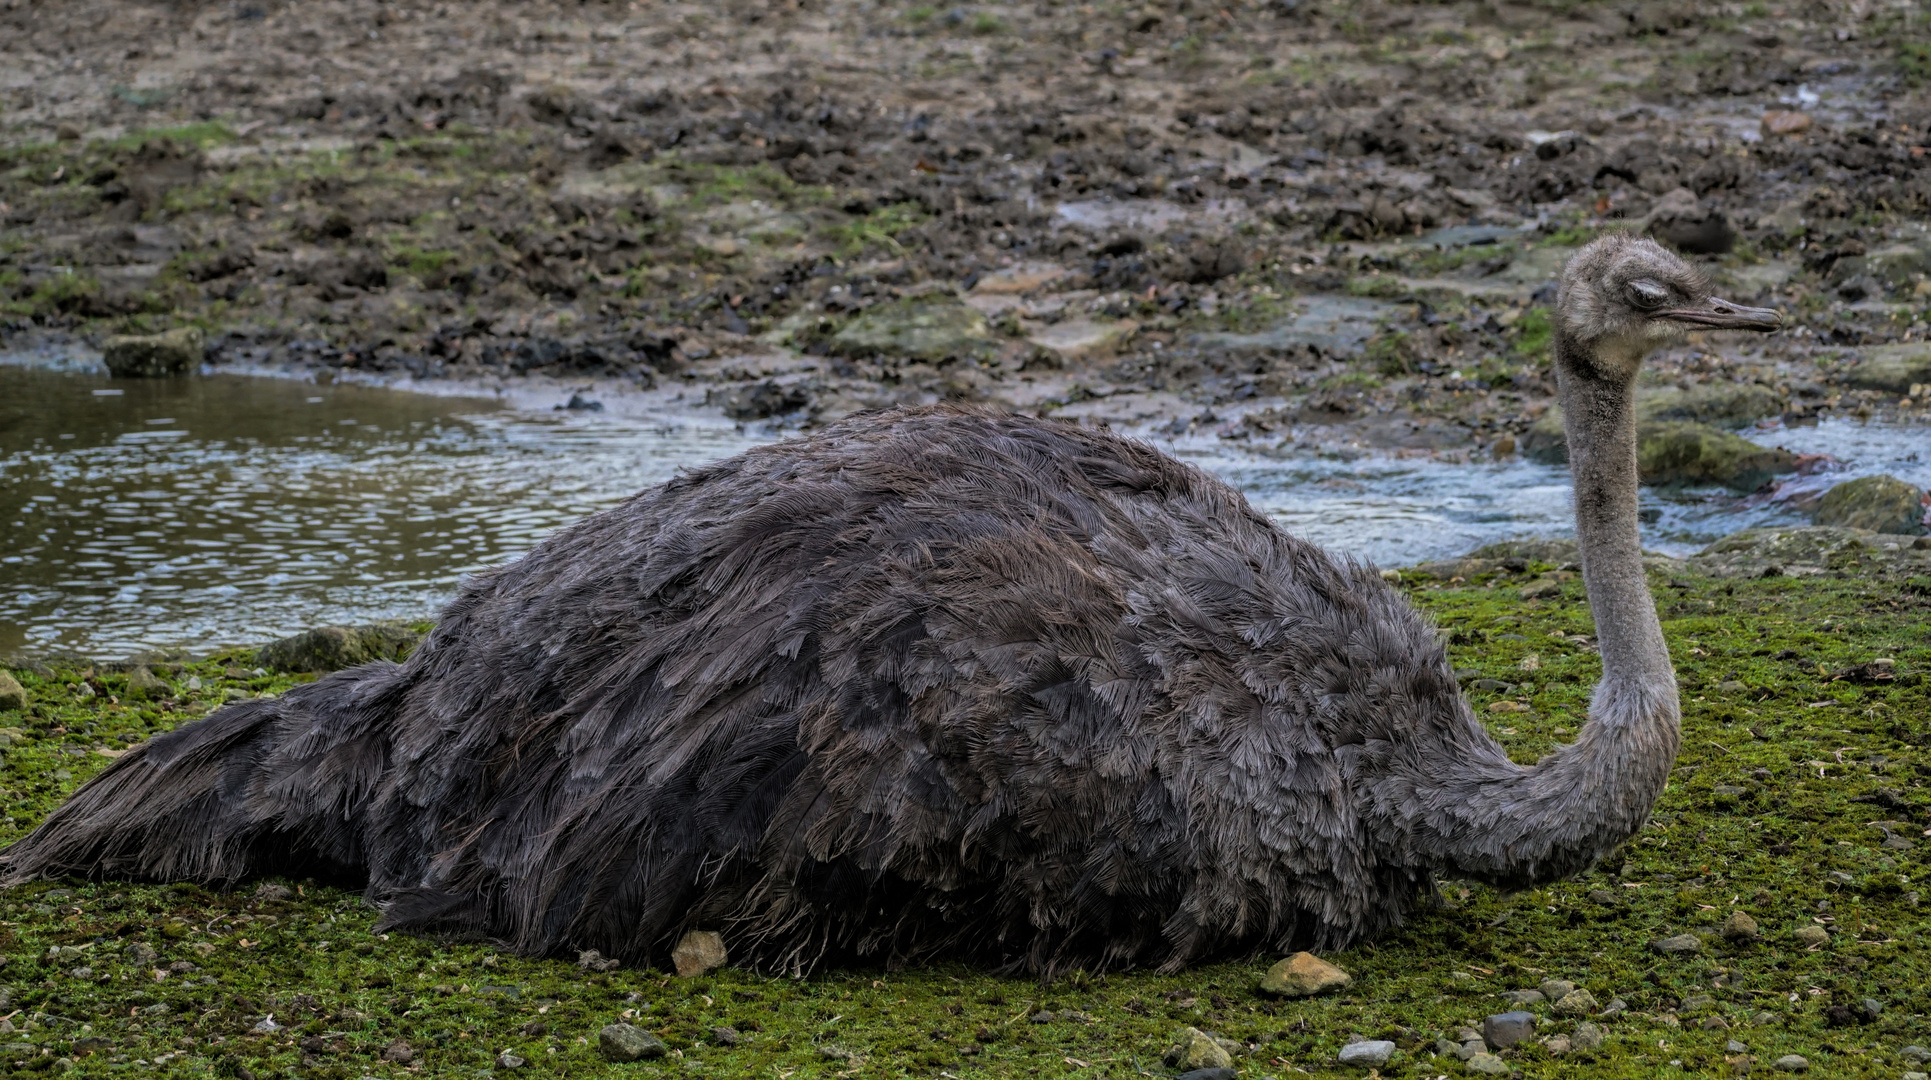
(1719, 314)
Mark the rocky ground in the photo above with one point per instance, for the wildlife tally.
(1769, 918)
(1293, 223)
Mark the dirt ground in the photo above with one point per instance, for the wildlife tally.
(1295, 223)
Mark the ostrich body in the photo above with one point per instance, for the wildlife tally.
(937, 681)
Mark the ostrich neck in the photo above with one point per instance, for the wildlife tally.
(1457, 801)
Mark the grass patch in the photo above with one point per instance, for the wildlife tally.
(1769, 812)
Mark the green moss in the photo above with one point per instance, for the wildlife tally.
(1532, 333)
(880, 228)
(1768, 812)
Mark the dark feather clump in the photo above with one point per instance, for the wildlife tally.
(938, 682)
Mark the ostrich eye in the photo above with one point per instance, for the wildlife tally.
(1647, 294)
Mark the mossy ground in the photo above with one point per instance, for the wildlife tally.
(1786, 768)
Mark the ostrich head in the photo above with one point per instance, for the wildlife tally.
(1625, 295)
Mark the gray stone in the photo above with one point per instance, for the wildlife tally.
(932, 328)
(509, 1060)
(1764, 1017)
(699, 953)
(1586, 1036)
(1504, 1030)
(1371, 1052)
(1576, 1003)
(1556, 989)
(1195, 1049)
(1811, 935)
(1893, 368)
(623, 1042)
(1734, 1047)
(150, 356)
(1207, 1074)
(1792, 1063)
(1917, 1076)
(1916, 1055)
(1882, 504)
(1557, 1044)
(1681, 943)
(333, 648)
(1487, 1064)
(398, 1052)
(13, 696)
(1522, 998)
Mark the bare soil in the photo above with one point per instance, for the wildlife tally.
(1293, 223)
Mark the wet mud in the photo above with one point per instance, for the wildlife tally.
(1292, 224)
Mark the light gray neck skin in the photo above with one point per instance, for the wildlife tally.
(1488, 818)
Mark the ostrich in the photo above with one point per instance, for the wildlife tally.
(938, 681)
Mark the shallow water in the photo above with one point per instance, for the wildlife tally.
(227, 509)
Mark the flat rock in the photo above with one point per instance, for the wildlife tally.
(333, 648)
(1809, 550)
(698, 953)
(1892, 368)
(1487, 1064)
(1586, 1036)
(1680, 943)
(929, 328)
(1371, 1052)
(1304, 975)
(1018, 279)
(1523, 998)
(1555, 989)
(152, 356)
(624, 1042)
(1811, 936)
(1791, 1063)
(1083, 339)
(1882, 504)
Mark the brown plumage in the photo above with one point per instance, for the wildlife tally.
(935, 681)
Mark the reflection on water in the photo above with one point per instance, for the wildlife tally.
(229, 510)
(202, 512)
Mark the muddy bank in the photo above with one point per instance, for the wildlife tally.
(1286, 224)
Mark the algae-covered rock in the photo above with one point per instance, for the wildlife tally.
(332, 648)
(1893, 368)
(13, 696)
(1195, 1049)
(1720, 404)
(928, 327)
(1304, 975)
(1576, 1003)
(1681, 453)
(145, 685)
(150, 356)
(1881, 504)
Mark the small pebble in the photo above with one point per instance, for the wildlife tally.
(1556, 989)
(1586, 1036)
(1812, 936)
(1681, 943)
(511, 1061)
(1792, 1063)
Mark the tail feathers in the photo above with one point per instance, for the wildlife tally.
(259, 787)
